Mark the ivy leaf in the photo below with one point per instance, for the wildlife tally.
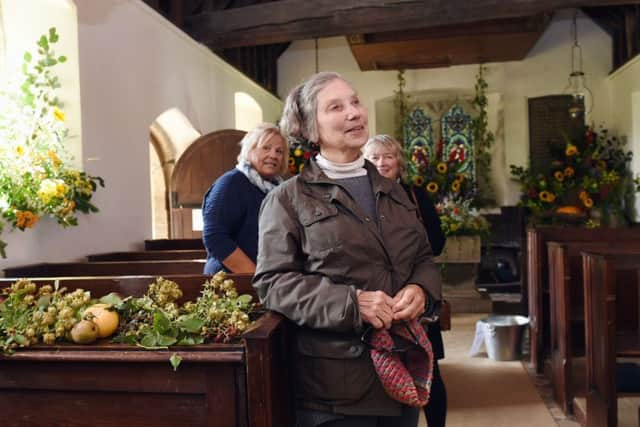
(43, 42)
(190, 324)
(165, 340)
(175, 361)
(160, 322)
(111, 298)
(27, 57)
(62, 59)
(191, 340)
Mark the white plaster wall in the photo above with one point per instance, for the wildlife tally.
(543, 72)
(134, 65)
(624, 92)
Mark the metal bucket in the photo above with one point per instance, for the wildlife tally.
(503, 336)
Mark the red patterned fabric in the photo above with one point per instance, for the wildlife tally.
(410, 384)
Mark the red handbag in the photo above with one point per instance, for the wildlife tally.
(408, 382)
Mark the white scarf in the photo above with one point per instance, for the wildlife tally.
(265, 185)
(341, 170)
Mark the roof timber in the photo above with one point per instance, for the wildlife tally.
(287, 20)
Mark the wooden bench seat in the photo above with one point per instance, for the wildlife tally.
(537, 277)
(115, 268)
(601, 290)
(567, 310)
(157, 255)
(172, 244)
(240, 384)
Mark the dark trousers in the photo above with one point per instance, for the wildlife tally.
(436, 409)
(409, 418)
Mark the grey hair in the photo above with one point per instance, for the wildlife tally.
(299, 118)
(390, 143)
(258, 134)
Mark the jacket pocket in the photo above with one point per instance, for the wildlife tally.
(322, 227)
(335, 372)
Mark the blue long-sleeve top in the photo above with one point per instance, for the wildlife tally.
(230, 219)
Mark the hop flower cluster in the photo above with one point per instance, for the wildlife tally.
(588, 176)
(36, 176)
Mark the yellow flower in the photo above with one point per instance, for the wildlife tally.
(54, 158)
(19, 150)
(297, 152)
(69, 207)
(569, 171)
(460, 177)
(50, 188)
(588, 202)
(559, 176)
(455, 186)
(441, 168)
(300, 168)
(432, 187)
(418, 180)
(26, 219)
(291, 161)
(571, 150)
(58, 114)
(546, 196)
(583, 195)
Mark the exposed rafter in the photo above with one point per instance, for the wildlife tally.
(287, 20)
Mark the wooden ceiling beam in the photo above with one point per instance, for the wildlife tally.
(287, 20)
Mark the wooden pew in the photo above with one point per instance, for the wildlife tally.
(157, 255)
(567, 311)
(115, 268)
(245, 383)
(537, 274)
(172, 244)
(603, 339)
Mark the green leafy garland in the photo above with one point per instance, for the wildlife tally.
(484, 140)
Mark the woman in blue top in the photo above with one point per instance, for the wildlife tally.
(231, 205)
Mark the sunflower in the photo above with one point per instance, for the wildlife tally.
(588, 202)
(291, 161)
(583, 195)
(559, 176)
(432, 187)
(297, 152)
(441, 168)
(418, 180)
(569, 171)
(571, 150)
(546, 196)
(455, 186)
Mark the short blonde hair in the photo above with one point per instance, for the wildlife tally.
(390, 143)
(255, 136)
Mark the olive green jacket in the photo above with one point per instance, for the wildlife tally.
(316, 247)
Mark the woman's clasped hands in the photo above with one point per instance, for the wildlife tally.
(381, 310)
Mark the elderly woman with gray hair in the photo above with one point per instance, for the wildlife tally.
(231, 205)
(387, 154)
(342, 254)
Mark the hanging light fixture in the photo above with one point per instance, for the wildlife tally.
(581, 102)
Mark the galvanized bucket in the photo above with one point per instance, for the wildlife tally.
(503, 336)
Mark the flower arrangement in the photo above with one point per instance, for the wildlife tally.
(459, 218)
(586, 183)
(299, 153)
(36, 178)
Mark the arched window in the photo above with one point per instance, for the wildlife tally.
(248, 111)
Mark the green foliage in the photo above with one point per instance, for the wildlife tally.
(484, 140)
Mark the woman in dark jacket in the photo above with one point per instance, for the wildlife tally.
(231, 205)
(386, 153)
(341, 250)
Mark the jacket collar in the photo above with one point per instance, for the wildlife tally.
(312, 174)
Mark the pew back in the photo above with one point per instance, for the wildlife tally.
(603, 343)
(113, 268)
(158, 255)
(537, 274)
